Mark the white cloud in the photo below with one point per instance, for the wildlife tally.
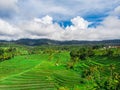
(6, 28)
(45, 20)
(8, 4)
(9, 31)
(45, 28)
(64, 9)
(116, 11)
(40, 28)
(111, 22)
(79, 23)
(39, 8)
(59, 10)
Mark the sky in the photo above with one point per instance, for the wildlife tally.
(60, 19)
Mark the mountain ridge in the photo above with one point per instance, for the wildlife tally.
(37, 42)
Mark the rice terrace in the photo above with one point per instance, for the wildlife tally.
(59, 67)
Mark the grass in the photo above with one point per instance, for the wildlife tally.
(40, 72)
(20, 64)
(34, 74)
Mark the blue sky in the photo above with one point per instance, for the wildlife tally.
(67, 19)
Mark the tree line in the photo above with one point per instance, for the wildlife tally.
(7, 53)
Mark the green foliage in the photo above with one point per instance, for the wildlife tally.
(97, 46)
(82, 53)
(1, 51)
(109, 52)
(44, 67)
(7, 53)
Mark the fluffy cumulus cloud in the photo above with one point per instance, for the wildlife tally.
(79, 23)
(31, 24)
(8, 31)
(45, 28)
(40, 28)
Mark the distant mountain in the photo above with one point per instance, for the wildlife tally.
(36, 42)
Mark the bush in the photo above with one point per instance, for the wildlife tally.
(109, 52)
(82, 54)
(6, 54)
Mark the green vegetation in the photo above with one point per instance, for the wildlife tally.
(59, 68)
(7, 53)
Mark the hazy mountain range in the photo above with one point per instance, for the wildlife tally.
(36, 42)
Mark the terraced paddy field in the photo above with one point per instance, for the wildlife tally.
(33, 72)
(47, 72)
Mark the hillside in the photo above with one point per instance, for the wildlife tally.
(40, 72)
